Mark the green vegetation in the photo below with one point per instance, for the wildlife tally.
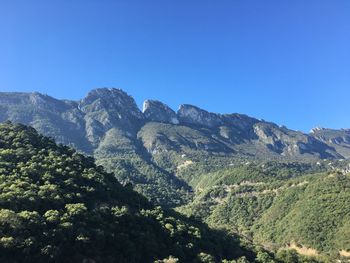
(314, 214)
(131, 166)
(158, 185)
(57, 206)
(247, 177)
(277, 204)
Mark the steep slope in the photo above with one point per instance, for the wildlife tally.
(315, 214)
(58, 119)
(85, 123)
(131, 164)
(104, 124)
(104, 109)
(57, 206)
(338, 139)
(157, 142)
(278, 205)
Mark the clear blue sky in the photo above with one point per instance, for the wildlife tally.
(283, 61)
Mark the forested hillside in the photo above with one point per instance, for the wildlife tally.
(279, 189)
(151, 144)
(278, 205)
(57, 206)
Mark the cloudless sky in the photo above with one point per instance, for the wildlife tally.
(283, 61)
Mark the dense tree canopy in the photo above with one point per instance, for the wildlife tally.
(278, 205)
(57, 206)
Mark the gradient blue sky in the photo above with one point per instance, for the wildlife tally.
(283, 61)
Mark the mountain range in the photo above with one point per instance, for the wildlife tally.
(88, 123)
(149, 148)
(278, 188)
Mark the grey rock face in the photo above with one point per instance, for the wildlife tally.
(332, 136)
(108, 125)
(55, 118)
(81, 124)
(292, 143)
(107, 108)
(238, 128)
(194, 115)
(339, 139)
(86, 124)
(157, 111)
(111, 100)
(240, 121)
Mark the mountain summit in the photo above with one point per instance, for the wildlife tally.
(85, 123)
(156, 143)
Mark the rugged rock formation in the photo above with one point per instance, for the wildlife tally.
(157, 111)
(60, 119)
(150, 145)
(193, 115)
(332, 136)
(292, 143)
(339, 139)
(109, 108)
(111, 117)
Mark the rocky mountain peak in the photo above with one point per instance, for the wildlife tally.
(85, 124)
(316, 129)
(155, 110)
(340, 139)
(194, 115)
(43, 101)
(105, 109)
(34, 100)
(110, 99)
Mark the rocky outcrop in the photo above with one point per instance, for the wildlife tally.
(111, 118)
(292, 143)
(80, 124)
(163, 137)
(33, 101)
(332, 136)
(59, 119)
(240, 121)
(190, 114)
(109, 108)
(238, 128)
(115, 100)
(157, 111)
(339, 139)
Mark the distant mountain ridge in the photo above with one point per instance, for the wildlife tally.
(150, 148)
(339, 139)
(84, 124)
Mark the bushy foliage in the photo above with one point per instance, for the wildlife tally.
(276, 204)
(133, 165)
(57, 206)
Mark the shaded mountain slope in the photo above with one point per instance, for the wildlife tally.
(154, 143)
(57, 206)
(339, 139)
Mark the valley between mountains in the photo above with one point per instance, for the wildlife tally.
(279, 195)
